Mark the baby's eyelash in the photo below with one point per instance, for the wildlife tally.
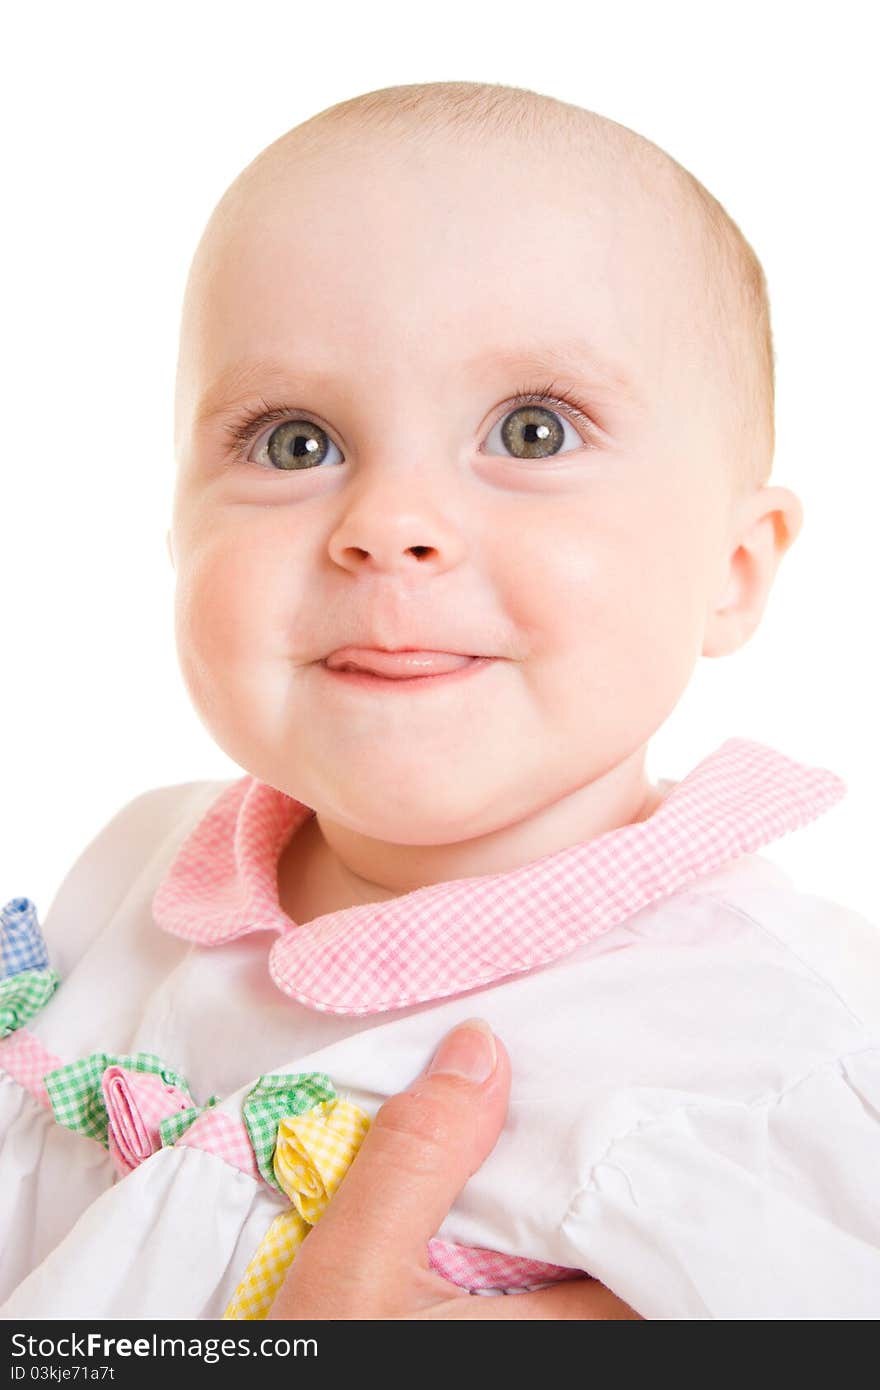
(245, 427)
(545, 396)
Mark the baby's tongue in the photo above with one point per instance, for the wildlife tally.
(398, 665)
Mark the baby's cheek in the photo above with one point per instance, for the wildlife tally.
(220, 616)
(626, 625)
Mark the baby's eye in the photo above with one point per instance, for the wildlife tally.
(533, 431)
(296, 444)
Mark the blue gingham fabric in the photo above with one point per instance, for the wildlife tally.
(21, 941)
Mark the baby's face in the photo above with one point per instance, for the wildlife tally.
(403, 299)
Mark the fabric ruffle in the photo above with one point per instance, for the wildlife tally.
(296, 1135)
(273, 1098)
(27, 981)
(312, 1151)
(23, 995)
(311, 1154)
(136, 1103)
(26, 1060)
(174, 1126)
(76, 1091)
(217, 1133)
(22, 946)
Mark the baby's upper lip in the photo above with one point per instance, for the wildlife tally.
(429, 644)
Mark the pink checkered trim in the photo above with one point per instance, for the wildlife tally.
(224, 880)
(27, 1061)
(136, 1101)
(455, 936)
(472, 1268)
(219, 1134)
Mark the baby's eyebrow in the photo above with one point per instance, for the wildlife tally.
(241, 380)
(573, 358)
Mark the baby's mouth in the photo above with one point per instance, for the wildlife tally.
(398, 665)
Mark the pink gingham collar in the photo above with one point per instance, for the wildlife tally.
(454, 936)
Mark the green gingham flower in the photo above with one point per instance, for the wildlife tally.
(270, 1101)
(173, 1126)
(23, 995)
(75, 1090)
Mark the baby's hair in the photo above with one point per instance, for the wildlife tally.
(732, 335)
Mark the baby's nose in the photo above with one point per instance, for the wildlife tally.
(396, 530)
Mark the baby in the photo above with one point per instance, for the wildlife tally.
(473, 424)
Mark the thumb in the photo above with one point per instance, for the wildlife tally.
(434, 1135)
(417, 1155)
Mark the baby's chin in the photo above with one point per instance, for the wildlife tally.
(411, 817)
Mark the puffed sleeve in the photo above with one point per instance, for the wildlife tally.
(50, 1175)
(172, 1240)
(761, 1210)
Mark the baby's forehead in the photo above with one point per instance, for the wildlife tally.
(562, 177)
(458, 231)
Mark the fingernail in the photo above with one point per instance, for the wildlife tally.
(469, 1051)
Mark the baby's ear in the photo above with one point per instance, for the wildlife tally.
(770, 523)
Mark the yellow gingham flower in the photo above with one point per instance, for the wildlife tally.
(313, 1152)
(312, 1155)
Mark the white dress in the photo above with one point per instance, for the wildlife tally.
(695, 1104)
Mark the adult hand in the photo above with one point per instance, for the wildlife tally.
(367, 1258)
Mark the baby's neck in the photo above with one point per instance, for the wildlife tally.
(324, 869)
(312, 881)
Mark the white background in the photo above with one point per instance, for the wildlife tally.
(122, 128)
